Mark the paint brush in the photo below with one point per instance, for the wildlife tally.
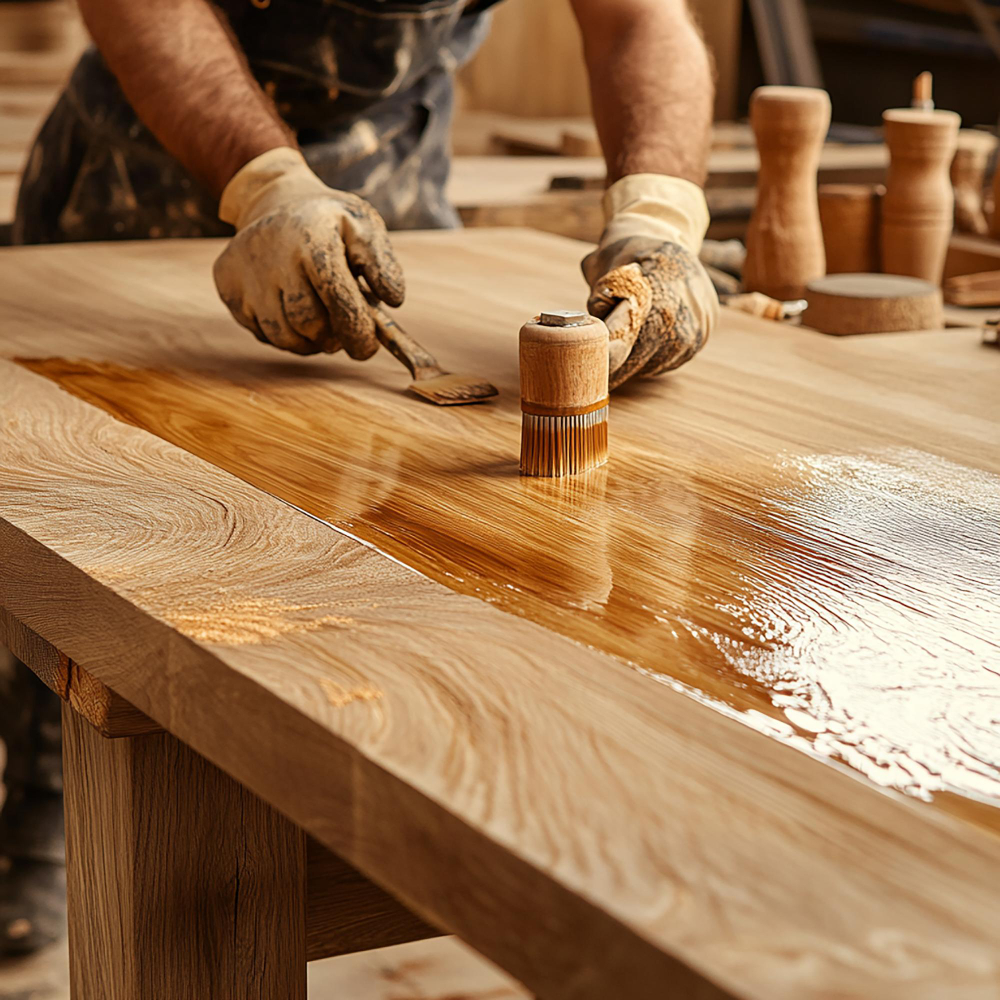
(564, 394)
(430, 380)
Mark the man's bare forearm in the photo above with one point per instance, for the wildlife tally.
(188, 82)
(651, 86)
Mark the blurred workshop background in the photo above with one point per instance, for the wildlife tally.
(526, 151)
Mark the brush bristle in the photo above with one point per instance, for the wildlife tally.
(563, 446)
(454, 390)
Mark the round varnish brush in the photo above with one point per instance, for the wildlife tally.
(564, 394)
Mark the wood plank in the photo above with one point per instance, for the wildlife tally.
(345, 912)
(511, 767)
(110, 714)
(516, 190)
(180, 883)
(493, 180)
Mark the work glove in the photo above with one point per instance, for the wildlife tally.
(290, 274)
(648, 259)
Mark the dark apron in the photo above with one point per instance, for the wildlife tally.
(366, 87)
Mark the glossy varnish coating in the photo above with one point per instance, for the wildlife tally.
(758, 539)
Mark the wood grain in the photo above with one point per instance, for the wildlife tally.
(345, 912)
(106, 711)
(549, 764)
(180, 882)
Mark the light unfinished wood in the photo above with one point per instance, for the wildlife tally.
(180, 883)
(106, 711)
(518, 190)
(918, 207)
(595, 774)
(784, 237)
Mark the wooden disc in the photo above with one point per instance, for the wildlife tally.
(872, 303)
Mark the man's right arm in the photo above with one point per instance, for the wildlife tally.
(289, 273)
(189, 83)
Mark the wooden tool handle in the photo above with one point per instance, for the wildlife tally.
(564, 369)
(980, 289)
(421, 363)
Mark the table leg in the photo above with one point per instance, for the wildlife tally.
(181, 883)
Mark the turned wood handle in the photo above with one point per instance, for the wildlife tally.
(564, 369)
(784, 237)
(421, 363)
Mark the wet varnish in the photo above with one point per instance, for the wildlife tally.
(844, 603)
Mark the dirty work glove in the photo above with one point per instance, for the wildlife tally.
(648, 258)
(289, 275)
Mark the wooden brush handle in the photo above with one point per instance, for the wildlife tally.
(421, 363)
(564, 369)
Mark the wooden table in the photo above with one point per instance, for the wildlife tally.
(718, 720)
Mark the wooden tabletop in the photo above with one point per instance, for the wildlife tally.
(718, 720)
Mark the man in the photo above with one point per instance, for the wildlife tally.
(309, 126)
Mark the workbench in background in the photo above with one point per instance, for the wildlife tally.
(717, 719)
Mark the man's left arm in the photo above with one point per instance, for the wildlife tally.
(652, 93)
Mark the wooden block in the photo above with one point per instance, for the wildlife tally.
(982, 289)
(110, 714)
(346, 912)
(872, 303)
(970, 254)
(180, 882)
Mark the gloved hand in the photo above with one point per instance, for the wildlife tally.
(289, 275)
(648, 257)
